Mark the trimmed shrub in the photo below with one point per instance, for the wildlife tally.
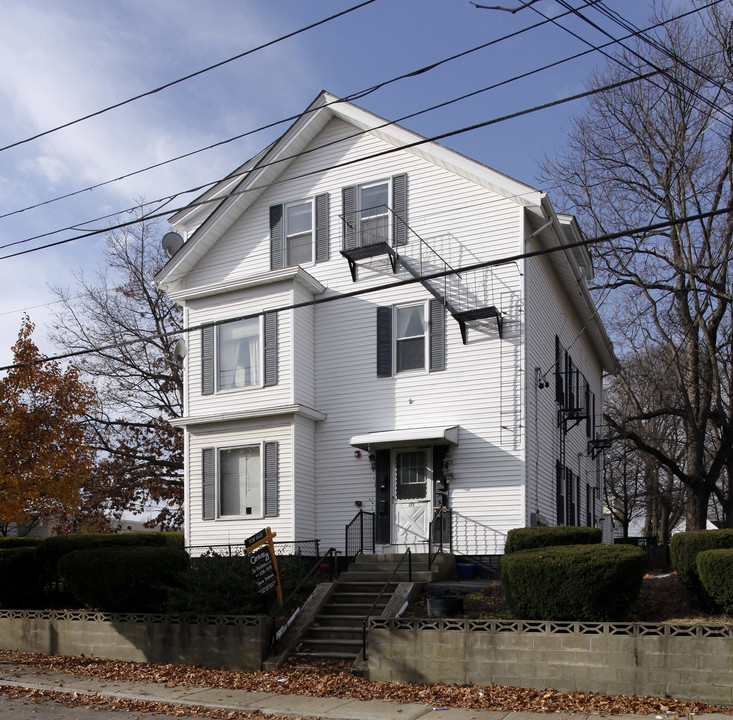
(216, 585)
(18, 542)
(684, 548)
(594, 583)
(52, 549)
(715, 570)
(536, 537)
(122, 579)
(22, 579)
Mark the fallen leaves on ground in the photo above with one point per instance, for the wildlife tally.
(101, 702)
(335, 680)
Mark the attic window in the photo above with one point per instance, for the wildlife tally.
(299, 233)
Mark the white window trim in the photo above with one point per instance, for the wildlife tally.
(217, 481)
(286, 234)
(359, 208)
(217, 372)
(426, 339)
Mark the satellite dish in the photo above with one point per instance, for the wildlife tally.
(179, 351)
(172, 242)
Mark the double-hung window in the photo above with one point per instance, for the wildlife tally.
(299, 233)
(373, 214)
(410, 337)
(240, 482)
(239, 354)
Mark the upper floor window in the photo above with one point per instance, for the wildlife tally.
(372, 218)
(299, 233)
(239, 354)
(410, 337)
(375, 212)
(240, 481)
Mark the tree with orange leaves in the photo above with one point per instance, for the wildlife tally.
(44, 453)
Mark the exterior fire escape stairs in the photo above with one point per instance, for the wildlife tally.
(370, 248)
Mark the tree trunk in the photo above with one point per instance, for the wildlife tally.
(698, 500)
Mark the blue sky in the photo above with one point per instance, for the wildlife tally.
(60, 61)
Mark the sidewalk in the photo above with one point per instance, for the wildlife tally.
(271, 703)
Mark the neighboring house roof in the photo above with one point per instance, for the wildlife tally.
(208, 217)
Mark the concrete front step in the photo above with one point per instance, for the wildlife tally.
(350, 621)
(327, 645)
(323, 632)
(345, 585)
(304, 656)
(374, 577)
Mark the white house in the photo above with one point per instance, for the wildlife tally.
(369, 330)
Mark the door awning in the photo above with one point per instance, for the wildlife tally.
(435, 435)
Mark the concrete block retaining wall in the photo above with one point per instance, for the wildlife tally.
(687, 662)
(232, 641)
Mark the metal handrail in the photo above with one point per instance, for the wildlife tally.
(438, 516)
(360, 517)
(331, 554)
(408, 554)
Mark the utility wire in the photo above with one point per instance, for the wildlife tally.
(348, 98)
(497, 262)
(189, 76)
(389, 151)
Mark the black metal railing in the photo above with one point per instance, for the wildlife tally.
(441, 534)
(305, 548)
(281, 616)
(360, 535)
(407, 554)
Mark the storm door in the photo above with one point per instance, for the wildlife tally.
(413, 495)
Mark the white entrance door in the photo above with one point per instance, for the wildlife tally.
(413, 496)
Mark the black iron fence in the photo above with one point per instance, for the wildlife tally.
(304, 548)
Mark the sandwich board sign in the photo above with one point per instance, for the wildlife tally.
(261, 553)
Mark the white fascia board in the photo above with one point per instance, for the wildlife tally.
(445, 435)
(245, 194)
(295, 274)
(227, 417)
(554, 236)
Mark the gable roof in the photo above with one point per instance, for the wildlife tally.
(214, 212)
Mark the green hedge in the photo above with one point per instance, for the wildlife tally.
(123, 579)
(715, 570)
(594, 583)
(536, 537)
(21, 579)
(18, 542)
(52, 549)
(684, 548)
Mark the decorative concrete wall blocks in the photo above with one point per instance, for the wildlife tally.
(231, 641)
(693, 662)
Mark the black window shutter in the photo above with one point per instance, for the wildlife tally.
(208, 477)
(559, 389)
(437, 336)
(348, 210)
(322, 228)
(271, 479)
(382, 470)
(270, 349)
(207, 360)
(276, 237)
(560, 493)
(384, 341)
(399, 210)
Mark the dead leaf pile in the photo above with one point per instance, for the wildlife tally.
(335, 680)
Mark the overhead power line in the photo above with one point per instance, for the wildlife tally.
(496, 262)
(348, 98)
(187, 77)
(389, 151)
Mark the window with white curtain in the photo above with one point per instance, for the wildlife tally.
(240, 482)
(239, 354)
